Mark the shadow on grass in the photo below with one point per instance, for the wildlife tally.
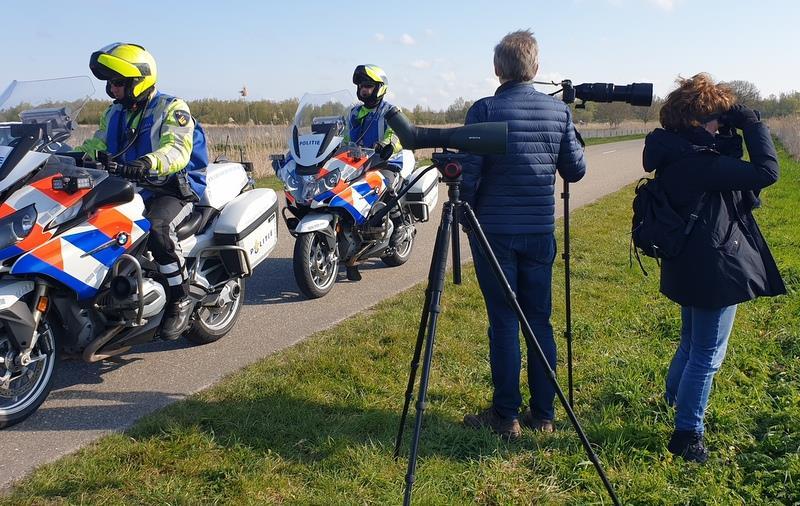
(307, 431)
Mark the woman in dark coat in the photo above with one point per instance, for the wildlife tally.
(726, 260)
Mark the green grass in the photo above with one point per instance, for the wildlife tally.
(315, 424)
(619, 138)
(270, 182)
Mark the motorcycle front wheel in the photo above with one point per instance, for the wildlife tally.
(315, 265)
(24, 388)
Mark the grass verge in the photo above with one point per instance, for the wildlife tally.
(315, 424)
(619, 138)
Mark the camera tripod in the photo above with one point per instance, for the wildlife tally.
(449, 166)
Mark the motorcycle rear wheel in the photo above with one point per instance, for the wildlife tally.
(315, 265)
(211, 324)
(30, 385)
(400, 253)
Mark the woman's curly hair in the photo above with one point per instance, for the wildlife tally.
(696, 101)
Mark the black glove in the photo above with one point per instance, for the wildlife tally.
(729, 144)
(136, 170)
(739, 116)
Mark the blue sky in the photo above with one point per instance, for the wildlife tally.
(433, 51)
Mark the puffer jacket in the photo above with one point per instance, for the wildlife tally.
(725, 260)
(514, 193)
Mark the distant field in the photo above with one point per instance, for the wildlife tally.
(787, 129)
(260, 141)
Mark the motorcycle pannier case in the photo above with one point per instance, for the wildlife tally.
(249, 221)
(424, 195)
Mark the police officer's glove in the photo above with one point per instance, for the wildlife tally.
(136, 170)
(740, 116)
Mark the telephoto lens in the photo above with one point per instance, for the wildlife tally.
(635, 94)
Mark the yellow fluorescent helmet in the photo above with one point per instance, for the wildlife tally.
(375, 75)
(130, 61)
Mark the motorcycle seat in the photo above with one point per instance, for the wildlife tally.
(195, 222)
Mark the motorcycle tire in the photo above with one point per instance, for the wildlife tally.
(209, 325)
(400, 255)
(315, 266)
(33, 397)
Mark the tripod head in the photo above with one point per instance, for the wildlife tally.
(448, 164)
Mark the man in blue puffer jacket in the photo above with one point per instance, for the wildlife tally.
(513, 198)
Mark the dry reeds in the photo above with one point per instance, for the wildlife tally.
(787, 129)
(257, 142)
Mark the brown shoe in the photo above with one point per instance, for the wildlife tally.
(506, 428)
(537, 424)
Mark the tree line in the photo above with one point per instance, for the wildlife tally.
(281, 112)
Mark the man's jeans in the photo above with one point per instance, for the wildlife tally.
(704, 341)
(527, 261)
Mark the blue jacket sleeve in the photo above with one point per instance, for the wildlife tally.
(472, 165)
(571, 164)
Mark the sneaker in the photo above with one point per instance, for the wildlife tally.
(176, 319)
(506, 428)
(689, 445)
(537, 424)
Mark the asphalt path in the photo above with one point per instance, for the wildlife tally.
(91, 400)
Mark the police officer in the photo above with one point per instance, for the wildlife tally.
(155, 139)
(366, 125)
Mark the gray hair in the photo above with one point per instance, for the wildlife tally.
(516, 57)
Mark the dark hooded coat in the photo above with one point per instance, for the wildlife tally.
(726, 259)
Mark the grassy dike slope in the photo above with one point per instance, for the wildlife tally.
(315, 424)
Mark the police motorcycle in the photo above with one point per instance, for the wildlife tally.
(333, 188)
(76, 279)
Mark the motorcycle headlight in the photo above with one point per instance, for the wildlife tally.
(291, 182)
(328, 181)
(16, 227)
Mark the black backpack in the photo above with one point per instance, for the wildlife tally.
(657, 230)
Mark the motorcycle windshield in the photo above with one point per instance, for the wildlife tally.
(56, 102)
(319, 126)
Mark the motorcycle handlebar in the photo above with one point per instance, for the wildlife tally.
(479, 139)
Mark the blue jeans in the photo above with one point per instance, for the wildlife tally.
(704, 341)
(527, 262)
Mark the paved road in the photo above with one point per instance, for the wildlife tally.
(90, 400)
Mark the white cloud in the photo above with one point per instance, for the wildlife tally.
(380, 37)
(448, 77)
(666, 5)
(407, 40)
(421, 64)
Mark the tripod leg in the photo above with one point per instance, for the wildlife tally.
(438, 271)
(423, 324)
(511, 298)
(567, 294)
(456, 251)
